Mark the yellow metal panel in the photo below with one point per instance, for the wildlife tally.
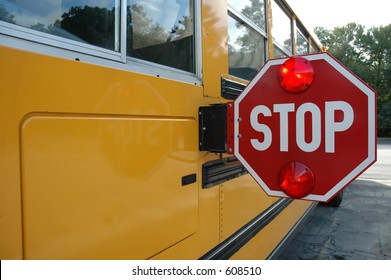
(263, 244)
(214, 66)
(242, 200)
(206, 236)
(106, 102)
(105, 187)
(270, 46)
(10, 204)
(215, 45)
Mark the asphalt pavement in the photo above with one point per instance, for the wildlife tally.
(360, 228)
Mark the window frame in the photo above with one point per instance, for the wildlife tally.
(289, 15)
(301, 33)
(246, 20)
(236, 15)
(47, 39)
(24, 38)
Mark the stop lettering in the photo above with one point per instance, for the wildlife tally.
(331, 126)
(305, 127)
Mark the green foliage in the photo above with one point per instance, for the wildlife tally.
(384, 120)
(367, 52)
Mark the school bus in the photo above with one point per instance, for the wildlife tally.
(100, 154)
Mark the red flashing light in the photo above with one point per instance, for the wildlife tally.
(296, 180)
(296, 74)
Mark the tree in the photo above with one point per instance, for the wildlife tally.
(5, 15)
(376, 44)
(142, 31)
(256, 13)
(249, 42)
(94, 25)
(368, 54)
(384, 120)
(343, 44)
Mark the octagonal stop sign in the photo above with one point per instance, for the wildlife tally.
(305, 127)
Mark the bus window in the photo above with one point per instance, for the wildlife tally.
(246, 38)
(95, 23)
(281, 30)
(313, 48)
(278, 53)
(161, 32)
(302, 43)
(252, 9)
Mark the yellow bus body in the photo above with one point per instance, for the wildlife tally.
(92, 157)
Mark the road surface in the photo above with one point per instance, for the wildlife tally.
(360, 228)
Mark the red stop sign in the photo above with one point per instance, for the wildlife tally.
(321, 133)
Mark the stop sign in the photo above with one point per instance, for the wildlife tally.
(318, 136)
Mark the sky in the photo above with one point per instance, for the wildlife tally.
(333, 13)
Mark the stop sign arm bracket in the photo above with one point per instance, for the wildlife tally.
(216, 128)
(230, 128)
